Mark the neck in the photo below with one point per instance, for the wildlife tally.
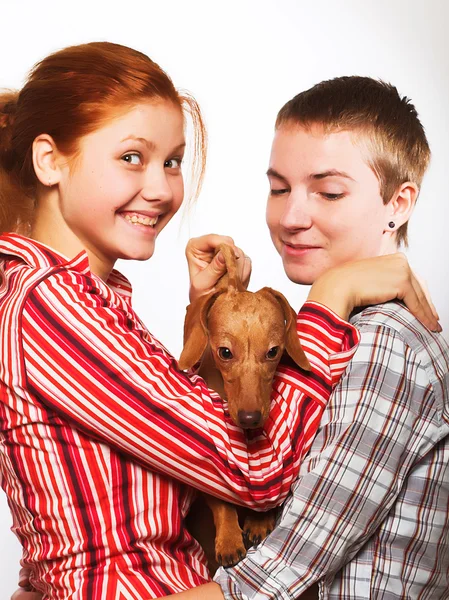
(388, 245)
(51, 229)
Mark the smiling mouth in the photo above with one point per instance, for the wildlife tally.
(135, 219)
(300, 246)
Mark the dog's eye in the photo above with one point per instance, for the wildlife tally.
(272, 352)
(224, 353)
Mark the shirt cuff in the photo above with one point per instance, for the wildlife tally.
(342, 338)
(345, 335)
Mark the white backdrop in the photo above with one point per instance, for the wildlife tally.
(242, 60)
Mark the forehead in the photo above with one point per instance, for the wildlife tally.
(303, 151)
(245, 313)
(156, 120)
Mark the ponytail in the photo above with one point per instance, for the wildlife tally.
(15, 204)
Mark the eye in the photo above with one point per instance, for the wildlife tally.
(173, 163)
(279, 192)
(272, 352)
(132, 158)
(332, 196)
(225, 353)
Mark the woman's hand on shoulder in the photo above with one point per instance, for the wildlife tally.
(25, 591)
(206, 265)
(373, 281)
(21, 594)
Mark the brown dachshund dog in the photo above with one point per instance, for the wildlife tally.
(238, 337)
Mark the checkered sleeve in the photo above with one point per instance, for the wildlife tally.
(379, 424)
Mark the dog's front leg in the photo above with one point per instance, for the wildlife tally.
(229, 546)
(258, 525)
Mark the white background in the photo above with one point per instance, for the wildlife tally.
(243, 60)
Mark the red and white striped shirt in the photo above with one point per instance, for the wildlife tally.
(102, 436)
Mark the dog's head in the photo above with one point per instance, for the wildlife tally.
(247, 334)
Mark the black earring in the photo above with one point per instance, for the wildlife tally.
(391, 224)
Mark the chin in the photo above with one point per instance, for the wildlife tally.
(301, 280)
(302, 275)
(137, 254)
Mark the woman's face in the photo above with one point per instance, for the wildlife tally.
(325, 206)
(125, 185)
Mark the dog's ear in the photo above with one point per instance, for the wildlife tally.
(195, 331)
(231, 279)
(292, 343)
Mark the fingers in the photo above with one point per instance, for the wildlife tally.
(207, 244)
(24, 577)
(207, 266)
(414, 293)
(205, 279)
(417, 300)
(25, 591)
(425, 289)
(424, 310)
(200, 251)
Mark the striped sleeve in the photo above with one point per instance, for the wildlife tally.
(91, 362)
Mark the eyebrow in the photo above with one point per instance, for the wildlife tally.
(315, 176)
(272, 173)
(330, 173)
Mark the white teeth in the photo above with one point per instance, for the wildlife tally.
(140, 220)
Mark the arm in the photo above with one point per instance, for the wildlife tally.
(373, 281)
(356, 283)
(209, 591)
(91, 361)
(378, 425)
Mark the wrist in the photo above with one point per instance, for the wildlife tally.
(332, 290)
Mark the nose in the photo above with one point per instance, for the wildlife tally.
(249, 419)
(156, 185)
(297, 212)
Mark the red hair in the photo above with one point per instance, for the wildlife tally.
(68, 95)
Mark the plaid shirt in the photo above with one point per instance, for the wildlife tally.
(369, 514)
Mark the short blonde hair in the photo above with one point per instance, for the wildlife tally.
(387, 122)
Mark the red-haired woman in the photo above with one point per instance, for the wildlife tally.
(99, 429)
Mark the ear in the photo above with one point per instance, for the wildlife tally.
(231, 280)
(292, 343)
(45, 155)
(401, 206)
(195, 331)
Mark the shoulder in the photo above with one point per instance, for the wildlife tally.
(391, 324)
(23, 285)
(399, 321)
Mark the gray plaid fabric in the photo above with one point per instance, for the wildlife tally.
(369, 513)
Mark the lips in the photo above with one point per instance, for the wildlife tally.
(298, 250)
(300, 246)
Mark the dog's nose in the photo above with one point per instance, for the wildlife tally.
(248, 419)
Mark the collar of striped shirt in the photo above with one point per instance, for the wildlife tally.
(40, 256)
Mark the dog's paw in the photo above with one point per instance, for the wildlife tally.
(230, 550)
(257, 526)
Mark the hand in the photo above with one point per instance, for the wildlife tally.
(373, 281)
(21, 594)
(206, 267)
(25, 591)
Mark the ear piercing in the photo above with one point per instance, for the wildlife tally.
(391, 225)
(49, 183)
